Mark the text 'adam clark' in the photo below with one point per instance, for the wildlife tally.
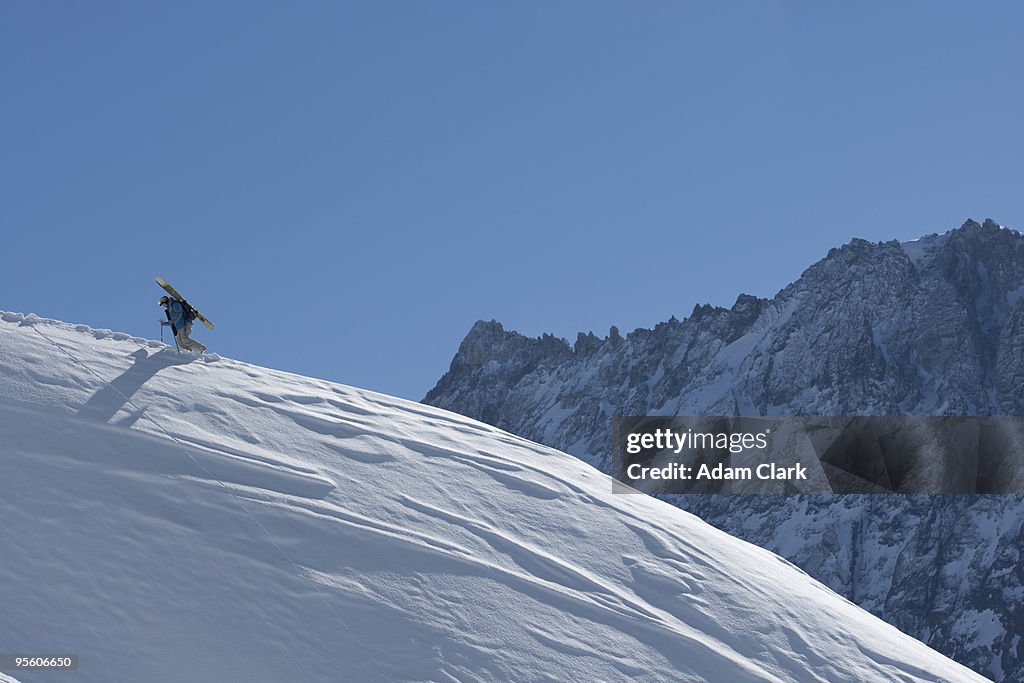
(719, 472)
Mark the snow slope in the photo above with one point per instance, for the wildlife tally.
(178, 519)
(931, 327)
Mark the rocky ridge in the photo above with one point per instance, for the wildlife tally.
(929, 327)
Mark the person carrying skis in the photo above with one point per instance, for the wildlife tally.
(180, 316)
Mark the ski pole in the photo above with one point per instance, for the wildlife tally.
(173, 336)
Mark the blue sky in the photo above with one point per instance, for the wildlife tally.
(344, 188)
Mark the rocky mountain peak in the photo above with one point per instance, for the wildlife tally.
(488, 340)
(934, 326)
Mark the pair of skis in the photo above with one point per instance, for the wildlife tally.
(173, 292)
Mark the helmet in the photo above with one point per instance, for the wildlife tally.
(164, 300)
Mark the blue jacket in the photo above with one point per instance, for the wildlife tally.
(176, 313)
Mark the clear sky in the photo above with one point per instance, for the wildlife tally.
(344, 188)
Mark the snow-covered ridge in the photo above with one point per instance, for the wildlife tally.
(932, 327)
(169, 518)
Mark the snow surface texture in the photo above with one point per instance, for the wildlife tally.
(171, 518)
(930, 327)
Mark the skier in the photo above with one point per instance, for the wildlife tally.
(180, 316)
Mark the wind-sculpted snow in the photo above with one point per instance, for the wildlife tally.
(170, 518)
(930, 327)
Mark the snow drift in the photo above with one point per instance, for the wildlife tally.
(171, 518)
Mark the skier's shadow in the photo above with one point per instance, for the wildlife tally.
(105, 403)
